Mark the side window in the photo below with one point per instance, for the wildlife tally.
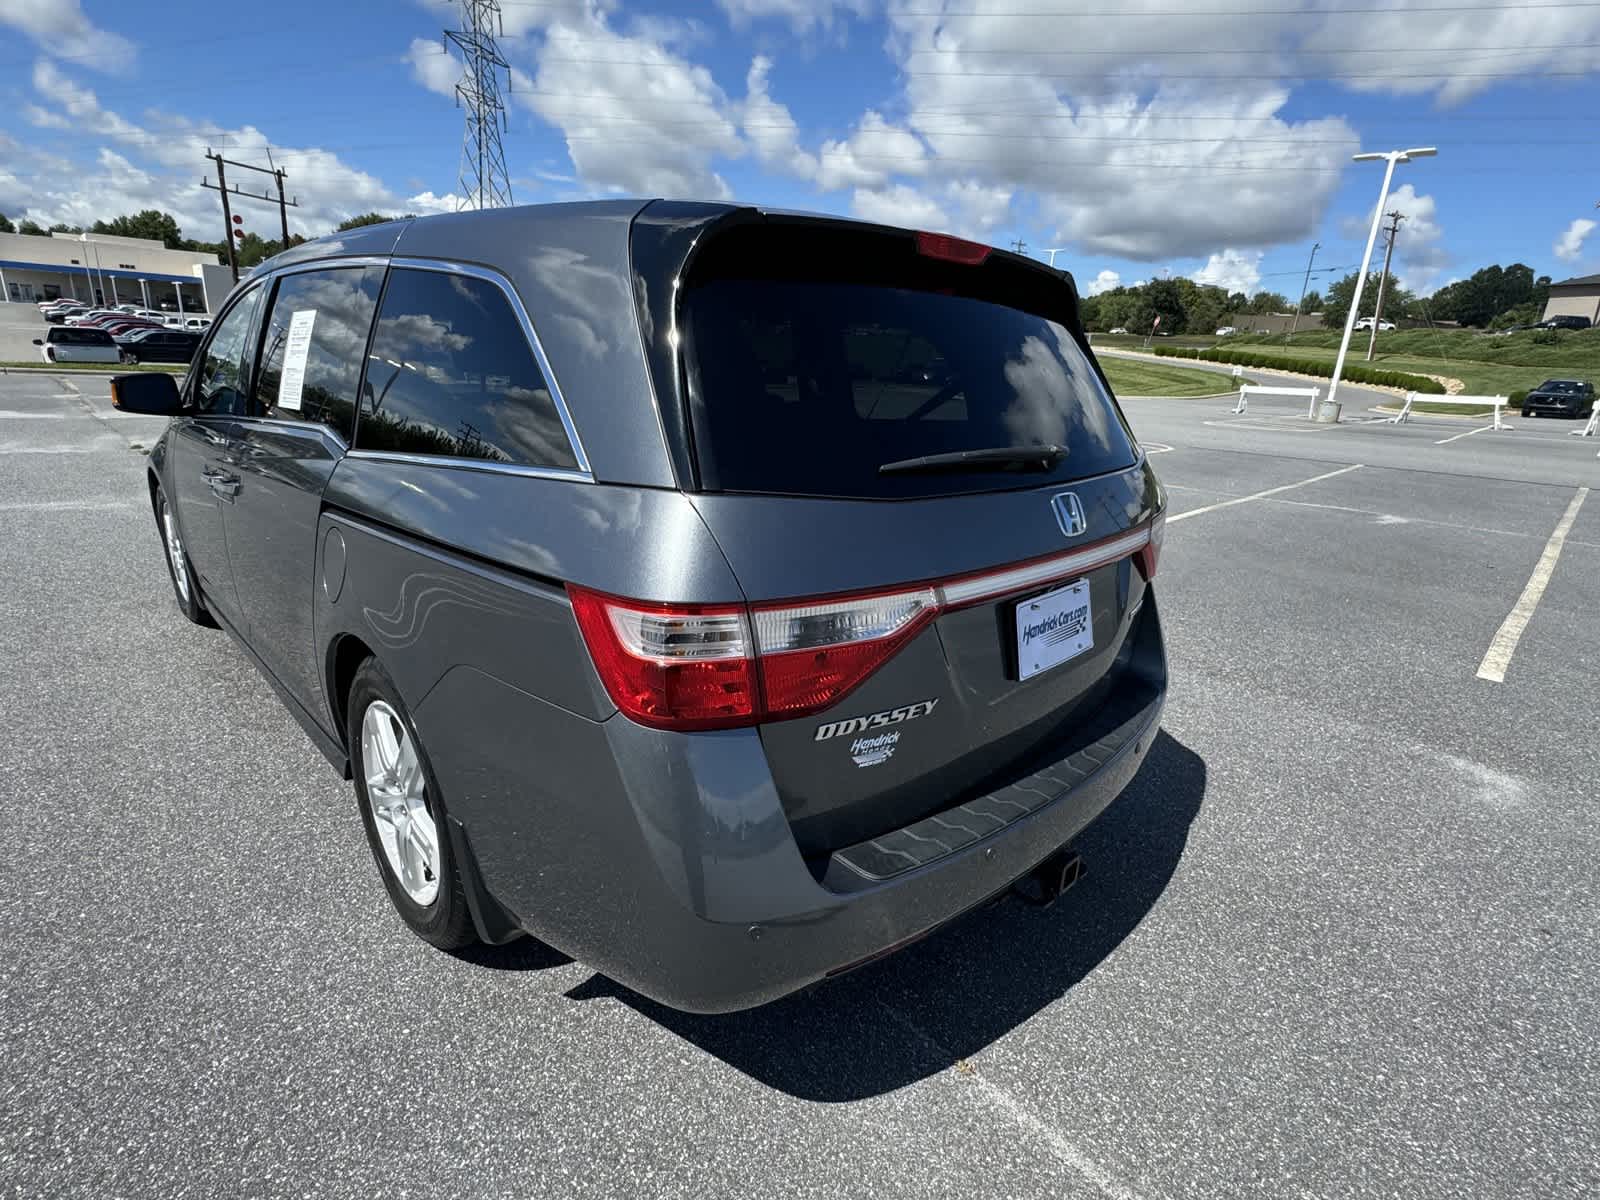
(219, 382)
(316, 337)
(452, 373)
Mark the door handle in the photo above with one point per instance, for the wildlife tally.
(222, 484)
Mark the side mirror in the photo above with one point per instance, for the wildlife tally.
(154, 393)
(38, 341)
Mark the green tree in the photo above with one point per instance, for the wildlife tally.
(1268, 302)
(1164, 298)
(28, 226)
(1336, 307)
(370, 218)
(63, 227)
(5, 224)
(148, 223)
(1312, 303)
(1478, 299)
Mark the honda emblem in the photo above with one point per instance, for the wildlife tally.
(1069, 514)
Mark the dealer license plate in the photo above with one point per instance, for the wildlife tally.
(1053, 628)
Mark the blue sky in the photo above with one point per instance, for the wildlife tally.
(1209, 138)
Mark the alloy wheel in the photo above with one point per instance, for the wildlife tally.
(397, 795)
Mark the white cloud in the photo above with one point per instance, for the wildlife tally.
(770, 127)
(637, 116)
(433, 66)
(1103, 282)
(1122, 154)
(802, 15)
(873, 152)
(1408, 48)
(329, 190)
(424, 203)
(1231, 270)
(1569, 246)
(60, 28)
(899, 204)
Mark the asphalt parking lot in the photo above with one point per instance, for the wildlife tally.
(1340, 937)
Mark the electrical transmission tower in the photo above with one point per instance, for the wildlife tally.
(484, 181)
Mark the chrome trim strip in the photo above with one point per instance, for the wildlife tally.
(473, 464)
(1016, 579)
(488, 275)
(304, 428)
(328, 263)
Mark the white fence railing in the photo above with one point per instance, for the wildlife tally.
(1255, 389)
(1404, 415)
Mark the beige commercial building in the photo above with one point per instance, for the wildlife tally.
(1574, 298)
(103, 269)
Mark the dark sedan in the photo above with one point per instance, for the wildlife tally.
(1560, 398)
(159, 345)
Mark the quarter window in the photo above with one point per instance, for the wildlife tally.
(451, 373)
(314, 341)
(219, 384)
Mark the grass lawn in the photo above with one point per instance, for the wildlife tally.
(1488, 365)
(1130, 378)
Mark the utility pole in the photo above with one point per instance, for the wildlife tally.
(1304, 285)
(227, 213)
(1020, 246)
(284, 204)
(1383, 280)
(485, 182)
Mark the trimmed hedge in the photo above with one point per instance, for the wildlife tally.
(1308, 366)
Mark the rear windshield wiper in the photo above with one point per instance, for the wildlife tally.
(1034, 458)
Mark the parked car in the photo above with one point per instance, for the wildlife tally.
(197, 322)
(61, 344)
(724, 698)
(1560, 398)
(115, 328)
(159, 345)
(1365, 323)
(1119, 329)
(1565, 323)
(59, 316)
(1225, 331)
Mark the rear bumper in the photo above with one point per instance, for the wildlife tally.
(668, 865)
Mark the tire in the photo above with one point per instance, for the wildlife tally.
(1527, 413)
(180, 570)
(127, 359)
(410, 841)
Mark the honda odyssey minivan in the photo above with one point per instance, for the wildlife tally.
(725, 597)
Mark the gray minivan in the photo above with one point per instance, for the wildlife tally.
(725, 597)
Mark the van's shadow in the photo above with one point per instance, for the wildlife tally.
(944, 999)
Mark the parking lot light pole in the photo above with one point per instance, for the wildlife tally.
(1390, 158)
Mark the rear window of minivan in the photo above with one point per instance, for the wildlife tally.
(814, 360)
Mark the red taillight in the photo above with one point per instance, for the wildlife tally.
(672, 666)
(951, 249)
(699, 666)
(1149, 556)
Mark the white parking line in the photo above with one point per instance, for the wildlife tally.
(1494, 664)
(1288, 487)
(1456, 437)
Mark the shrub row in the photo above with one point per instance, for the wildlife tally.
(1308, 366)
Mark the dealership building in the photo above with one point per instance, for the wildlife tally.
(101, 269)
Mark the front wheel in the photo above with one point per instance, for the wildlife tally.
(185, 589)
(403, 813)
(126, 359)
(1526, 413)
